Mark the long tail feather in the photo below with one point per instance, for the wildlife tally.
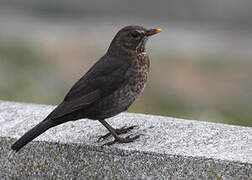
(33, 133)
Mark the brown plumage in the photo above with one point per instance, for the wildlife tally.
(107, 89)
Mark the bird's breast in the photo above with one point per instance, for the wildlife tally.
(139, 73)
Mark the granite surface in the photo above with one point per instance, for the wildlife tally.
(168, 147)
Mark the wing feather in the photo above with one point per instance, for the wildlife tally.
(101, 80)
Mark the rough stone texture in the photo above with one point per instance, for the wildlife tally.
(169, 147)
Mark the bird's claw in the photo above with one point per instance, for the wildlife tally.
(122, 130)
(128, 139)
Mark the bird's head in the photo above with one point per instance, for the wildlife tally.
(132, 38)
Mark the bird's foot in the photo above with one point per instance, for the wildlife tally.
(122, 130)
(128, 139)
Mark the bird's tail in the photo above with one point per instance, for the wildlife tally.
(33, 133)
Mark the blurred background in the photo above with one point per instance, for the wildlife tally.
(201, 65)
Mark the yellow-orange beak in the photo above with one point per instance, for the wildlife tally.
(151, 32)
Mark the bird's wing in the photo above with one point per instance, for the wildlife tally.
(101, 80)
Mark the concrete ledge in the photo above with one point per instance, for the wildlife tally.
(170, 147)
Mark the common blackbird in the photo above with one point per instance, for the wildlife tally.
(107, 89)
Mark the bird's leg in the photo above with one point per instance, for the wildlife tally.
(116, 132)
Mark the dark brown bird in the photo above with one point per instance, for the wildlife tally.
(107, 89)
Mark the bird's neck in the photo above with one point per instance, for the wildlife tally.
(123, 51)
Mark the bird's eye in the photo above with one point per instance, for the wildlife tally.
(135, 34)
